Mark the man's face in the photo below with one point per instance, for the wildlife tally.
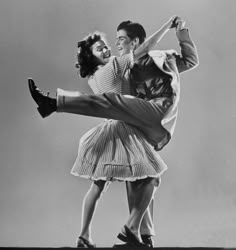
(123, 43)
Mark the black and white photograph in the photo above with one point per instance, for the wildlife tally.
(117, 124)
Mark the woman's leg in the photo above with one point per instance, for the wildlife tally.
(147, 226)
(147, 229)
(142, 194)
(88, 208)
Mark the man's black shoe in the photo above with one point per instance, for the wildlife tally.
(46, 105)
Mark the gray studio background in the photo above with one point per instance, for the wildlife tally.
(40, 202)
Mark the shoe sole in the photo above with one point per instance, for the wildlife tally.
(41, 111)
(122, 237)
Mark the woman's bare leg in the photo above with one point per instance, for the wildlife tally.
(88, 208)
(142, 196)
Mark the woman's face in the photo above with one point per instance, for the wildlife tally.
(101, 51)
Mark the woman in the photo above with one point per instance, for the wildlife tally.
(113, 150)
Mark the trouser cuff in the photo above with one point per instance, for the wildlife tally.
(61, 94)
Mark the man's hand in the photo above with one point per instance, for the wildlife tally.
(179, 23)
(171, 22)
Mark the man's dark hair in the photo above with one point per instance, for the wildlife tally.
(133, 30)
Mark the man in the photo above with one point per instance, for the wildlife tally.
(148, 85)
(150, 82)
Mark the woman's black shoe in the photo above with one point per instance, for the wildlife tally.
(83, 243)
(148, 240)
(130, 238)
(46, 104)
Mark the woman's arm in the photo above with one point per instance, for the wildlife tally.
(151, 41)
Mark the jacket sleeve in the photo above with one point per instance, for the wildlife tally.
(189, 57)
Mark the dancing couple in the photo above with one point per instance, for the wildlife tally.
(138, 94)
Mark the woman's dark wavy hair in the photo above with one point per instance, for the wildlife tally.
(86, 61)
(133, 30)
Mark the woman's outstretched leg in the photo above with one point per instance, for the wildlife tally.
(88, 209)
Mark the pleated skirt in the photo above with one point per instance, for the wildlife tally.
(116, 151)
